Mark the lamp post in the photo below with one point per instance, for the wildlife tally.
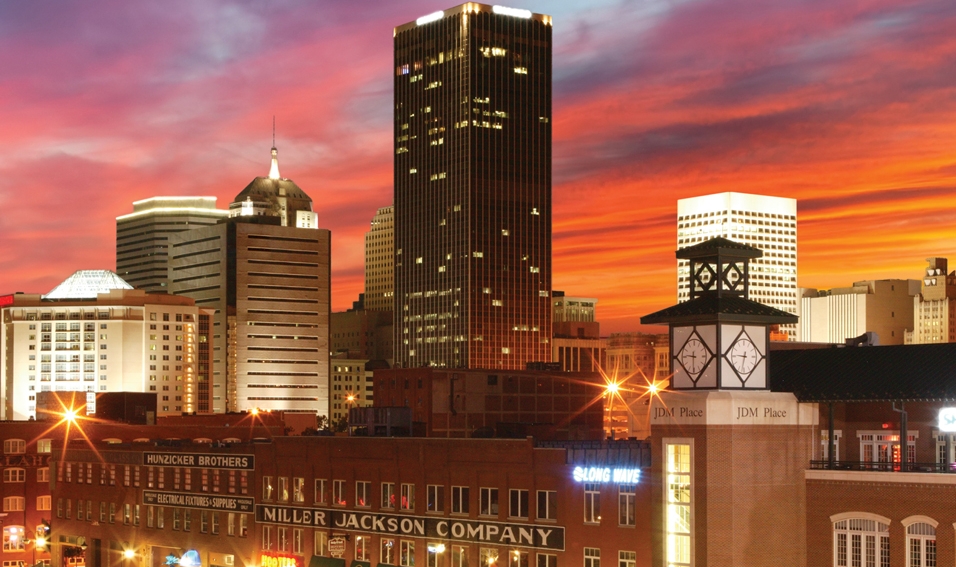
(40, 541)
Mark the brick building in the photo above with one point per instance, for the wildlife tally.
(329, 501)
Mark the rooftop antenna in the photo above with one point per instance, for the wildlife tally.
(274, 169)
(273, 130)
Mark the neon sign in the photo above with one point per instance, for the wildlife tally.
(279, 560)
(607, 474)
(947, 420)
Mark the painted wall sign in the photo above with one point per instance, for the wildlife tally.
(947, 420)
(200, 460)
(606, 474)
(496, 533)
(201, 501)
(271, 559)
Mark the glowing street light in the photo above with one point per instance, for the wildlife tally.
(129, 553)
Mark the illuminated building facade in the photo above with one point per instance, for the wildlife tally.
(380, 261)
(884, 307)
(142, 236)
(768, 223)
(934, 309)
(268, 282)
(337, 501)
(92, 334)
(576, 343)
(473, 188)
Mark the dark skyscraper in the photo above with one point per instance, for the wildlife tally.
(473, 188)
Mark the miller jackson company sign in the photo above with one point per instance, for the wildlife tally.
(516, 535)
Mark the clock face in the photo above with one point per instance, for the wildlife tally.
(743, 355)
(694, 356)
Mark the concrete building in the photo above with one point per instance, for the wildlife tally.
(361, 342)
(93, 334)
(380, 261)
(576, 343)
(934, 309)
(490, 403)
(884, 307)
(473, 189)
(268, 282)
(767, 223)
(142, 236)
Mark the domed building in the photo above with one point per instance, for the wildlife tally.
(265, 270)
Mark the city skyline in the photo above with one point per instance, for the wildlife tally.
(849, 110)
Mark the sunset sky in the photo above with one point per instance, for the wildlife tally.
(849, 107)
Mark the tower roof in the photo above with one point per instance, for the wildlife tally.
(87, 284)
(719, 246)
(272, 195)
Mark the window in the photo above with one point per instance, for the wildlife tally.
(459, 556)
(15, 475)
(518, 503)
(627, 559)
(388, 495)
(187, 520)
(920, 542)
(321, 543)
(282, 539)
(627, 515)
(884, 447)
(204, 522)
(319, 491)
(407, 555)
(127, 513)
(243, 525)
(14, 446)
(547, 505)
(266, 537)
(363, 494)
(103, 512)
(338, 492)
(44, 446)
(231, 524)
(459, 500)
(408, 497)
(17, 504)
(861, 541)
(677, 500)
(489, 502)
(436, 498)
(298, 488)
(43, 502)
(361, 551)
(592, 557)
(518, 559)
(547, 560)
(387, 551)
(824, 446)
(592, 503)
(13, 537)
(432, 549)
(266, 489)
(296, 537)
(283, 489)
(488, 556)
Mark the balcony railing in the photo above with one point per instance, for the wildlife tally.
(883, 466)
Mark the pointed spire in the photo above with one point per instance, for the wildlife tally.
(274, 170)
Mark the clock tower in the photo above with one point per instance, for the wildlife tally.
(719, 338)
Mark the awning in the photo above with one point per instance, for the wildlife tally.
(319, 561)
(356, 563)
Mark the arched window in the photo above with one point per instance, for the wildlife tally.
(14, 446)
(14, 475)
(920, 541)
(861, 540)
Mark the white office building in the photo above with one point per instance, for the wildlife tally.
(93, 333)
(767, 223)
